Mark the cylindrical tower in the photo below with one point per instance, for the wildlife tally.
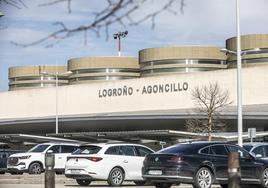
(254, 50)
(26, 77)
(92, 69)
(181, 59)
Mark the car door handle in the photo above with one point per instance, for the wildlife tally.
(125, 161)
(59, 157)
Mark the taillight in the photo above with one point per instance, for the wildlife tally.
(95, 159)
(175, 159)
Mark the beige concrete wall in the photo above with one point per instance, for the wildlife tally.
(181, 52)
(85, 99)
(102, 62)
(35, 70)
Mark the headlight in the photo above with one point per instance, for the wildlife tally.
(25, 157)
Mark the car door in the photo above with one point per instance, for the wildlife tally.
(65, 150)
(58, 159)
(141, 153)
(249, 167)
(131, 162)
(219, 157)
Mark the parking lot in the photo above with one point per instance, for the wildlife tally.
(37, 181)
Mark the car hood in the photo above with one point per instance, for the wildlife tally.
(24, 154)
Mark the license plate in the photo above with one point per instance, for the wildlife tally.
(155, 172)
(75, 171)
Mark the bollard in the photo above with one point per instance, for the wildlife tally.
(234, 174)
(49, 173)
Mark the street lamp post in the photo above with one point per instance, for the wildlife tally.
(239, 53)
(118, 36)
(239, 83)
(57, 74)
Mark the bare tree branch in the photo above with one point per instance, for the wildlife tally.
(19, 4)
(115, 11)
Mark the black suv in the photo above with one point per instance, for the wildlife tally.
(202, 164)
(4, 154)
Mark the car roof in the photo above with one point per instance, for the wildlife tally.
(256, 144)
(111, 144)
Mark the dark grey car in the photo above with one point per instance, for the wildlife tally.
(202, 164)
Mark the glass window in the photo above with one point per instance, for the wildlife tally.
(142, 151)
(247, 147)
(127, 150)
(218, 150)
(114, 150)
(39, 148)
(55, 149)
(265, 151)
(258, 151)
(87, 150)
(243, 153)
(68, 149)
(205, 150)
(177, 149)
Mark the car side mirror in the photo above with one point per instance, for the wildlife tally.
(258, 156)
(49, 151)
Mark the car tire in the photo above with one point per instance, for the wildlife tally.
(83, 182)
(162, 185)
(35, 168)
(2, 172)
(116, 177)
(203, 178)
(264, 178)
(140, 183)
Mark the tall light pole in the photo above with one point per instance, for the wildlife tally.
(57, 74)
(118, 36)
(239, 82)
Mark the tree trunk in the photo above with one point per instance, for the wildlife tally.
(209, 127)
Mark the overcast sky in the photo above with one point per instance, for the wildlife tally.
(204, 22)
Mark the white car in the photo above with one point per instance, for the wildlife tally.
(33, 161)
(112, 162)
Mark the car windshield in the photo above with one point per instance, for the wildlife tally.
(87, 150)
(247, 147)
(39, 148)
(177, 149)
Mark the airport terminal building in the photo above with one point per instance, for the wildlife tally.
(125, 94)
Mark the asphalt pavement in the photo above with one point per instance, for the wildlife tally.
(37, 181)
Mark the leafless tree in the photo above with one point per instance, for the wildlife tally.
(209, 101)
(114, 12)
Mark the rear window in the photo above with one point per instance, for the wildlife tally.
(177, 149)
(87, 150)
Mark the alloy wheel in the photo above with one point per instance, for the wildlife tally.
(265, 178)
(204, 178)
(117, 177)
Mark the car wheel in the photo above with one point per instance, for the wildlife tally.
(264, 178)
(2, 172)
(35, 168)
(203, 178)
(116, 177)
(83, 182)
(162, 185)
(140, 183)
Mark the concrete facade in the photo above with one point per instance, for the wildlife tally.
(140, 95)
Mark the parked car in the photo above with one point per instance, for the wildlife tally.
(112, 162)
(257, 149)
(201, 164)
(33, 160)
(4, 154)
